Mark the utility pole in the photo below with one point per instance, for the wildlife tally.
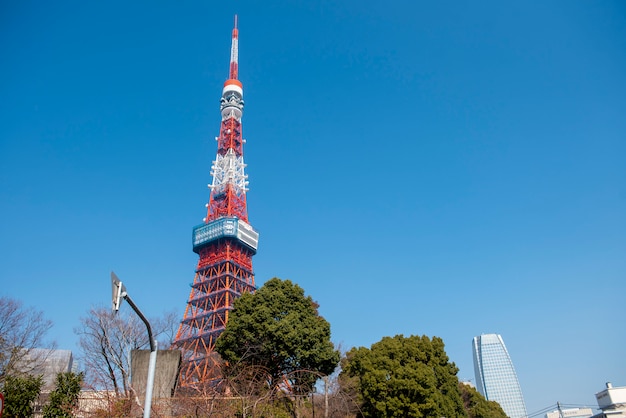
(119, 292)
(325, 396)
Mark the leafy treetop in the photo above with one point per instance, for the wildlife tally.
(279, 328)
(405, 377)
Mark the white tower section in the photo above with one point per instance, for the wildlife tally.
(229, 169)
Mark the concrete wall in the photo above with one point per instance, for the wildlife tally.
(165, 375)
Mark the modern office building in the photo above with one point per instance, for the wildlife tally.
(495, 375)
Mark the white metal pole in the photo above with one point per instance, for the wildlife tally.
(150, 384)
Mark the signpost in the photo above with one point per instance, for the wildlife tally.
(119, 292)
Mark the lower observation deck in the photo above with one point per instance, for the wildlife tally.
(233, 228)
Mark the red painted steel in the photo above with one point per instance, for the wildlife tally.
(223, 273)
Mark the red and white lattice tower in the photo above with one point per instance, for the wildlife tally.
(225, 243)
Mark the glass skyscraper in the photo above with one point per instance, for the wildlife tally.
(495, 375)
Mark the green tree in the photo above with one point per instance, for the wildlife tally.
(279, 329)
(20, 392)
(64, 398)
(405, 377)
(477, 406)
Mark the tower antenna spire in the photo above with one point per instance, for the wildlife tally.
(234, 53)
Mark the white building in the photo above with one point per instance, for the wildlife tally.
(570, 413)
(612, 402)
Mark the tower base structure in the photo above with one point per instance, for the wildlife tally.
(224, 273)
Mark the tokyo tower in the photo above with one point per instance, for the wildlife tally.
(225, 243)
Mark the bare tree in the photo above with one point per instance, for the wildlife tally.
(106, 341)
(339, 397)
(250, 385)
(22, 330)
(167, 326)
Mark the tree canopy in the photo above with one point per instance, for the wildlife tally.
(405, 377)
(64, 398)
(477, 406)
(279, 329)
(20, 393)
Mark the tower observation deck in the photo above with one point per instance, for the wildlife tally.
(225, 243)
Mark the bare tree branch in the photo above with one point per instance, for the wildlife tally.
(21, 330)
(106, 341)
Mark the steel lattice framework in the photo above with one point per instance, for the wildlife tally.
(225, 243)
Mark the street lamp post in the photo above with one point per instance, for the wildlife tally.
(119, 292)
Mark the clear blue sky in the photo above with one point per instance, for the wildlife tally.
(440, 168)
